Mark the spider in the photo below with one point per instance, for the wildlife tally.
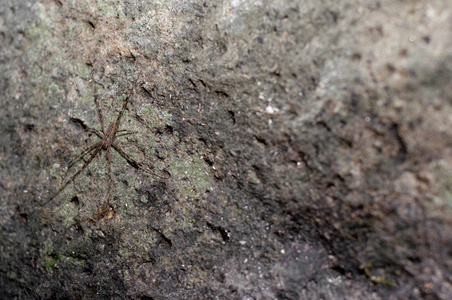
(108, 137)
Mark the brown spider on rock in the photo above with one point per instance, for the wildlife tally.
(107, 142)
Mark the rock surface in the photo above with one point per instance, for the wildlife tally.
(308, 146)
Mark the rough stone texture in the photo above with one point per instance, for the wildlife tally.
(309, 145)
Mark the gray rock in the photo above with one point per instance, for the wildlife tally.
(304, 149)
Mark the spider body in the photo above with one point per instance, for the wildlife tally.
(110, 135)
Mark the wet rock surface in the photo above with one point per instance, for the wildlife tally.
(305, 146)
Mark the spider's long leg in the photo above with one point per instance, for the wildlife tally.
(109, 173)
(66, 183)
(125, 132)
(101, 116)
(127, 100)
(135, 163)
(99, 110)
(81, 155)
(96, 132)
